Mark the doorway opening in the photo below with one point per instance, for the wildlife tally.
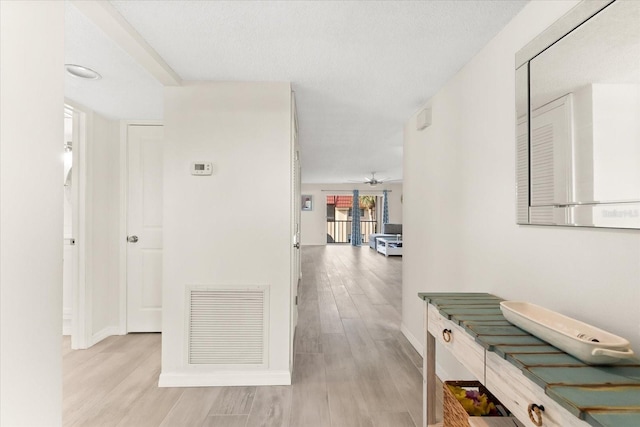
(340, 217)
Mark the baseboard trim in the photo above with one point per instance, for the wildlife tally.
(106, 332)
(224, 378)
(412, 339)
(66, 321)
(66, 326)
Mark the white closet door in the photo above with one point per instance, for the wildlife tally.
(144, 229)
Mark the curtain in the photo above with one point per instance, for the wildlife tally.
(356, 238)
(385, 207)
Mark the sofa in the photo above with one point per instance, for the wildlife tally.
(388, 230)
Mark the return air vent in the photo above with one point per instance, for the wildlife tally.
(227, 326)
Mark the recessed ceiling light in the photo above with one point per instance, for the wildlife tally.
(82, 72)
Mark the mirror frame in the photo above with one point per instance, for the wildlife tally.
(578, 15)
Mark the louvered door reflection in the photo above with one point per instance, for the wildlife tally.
(522, 171)
(550, 162)
(542, 176)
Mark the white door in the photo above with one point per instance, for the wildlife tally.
(144, 228)
(296, 259)
(295, 228)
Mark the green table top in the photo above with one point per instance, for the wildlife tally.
(602, 396)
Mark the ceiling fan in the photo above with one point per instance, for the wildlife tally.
(373, 181)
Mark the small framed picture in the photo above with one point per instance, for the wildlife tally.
(307, 202)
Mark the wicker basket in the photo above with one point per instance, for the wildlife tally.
(454, 414)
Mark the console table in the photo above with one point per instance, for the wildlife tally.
(539, 384)
(389, 245)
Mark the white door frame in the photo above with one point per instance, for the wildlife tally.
(124, 189)
(81, 307)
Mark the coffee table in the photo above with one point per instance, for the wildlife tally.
(389, 245)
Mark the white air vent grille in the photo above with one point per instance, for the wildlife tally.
(542, 166)
(227, 326)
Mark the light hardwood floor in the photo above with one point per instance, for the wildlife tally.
(353, 367)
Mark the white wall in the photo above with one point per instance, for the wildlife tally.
(460, 230)
(231, 228)
(616, 132)
(606, 132)
(314, 223)
(31, 135)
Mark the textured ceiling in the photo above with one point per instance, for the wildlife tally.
(359, 68)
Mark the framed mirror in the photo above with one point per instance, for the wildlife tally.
(578, 119)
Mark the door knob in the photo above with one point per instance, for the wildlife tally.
(132, 239)
(297, 245)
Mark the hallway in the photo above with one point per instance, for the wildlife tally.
(349, 346)
(353, 366)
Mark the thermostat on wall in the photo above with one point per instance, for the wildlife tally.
(201, 168)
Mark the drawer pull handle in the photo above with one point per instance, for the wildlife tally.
(535, 413)
(446, 335)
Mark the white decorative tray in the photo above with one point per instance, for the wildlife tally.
(585, 342)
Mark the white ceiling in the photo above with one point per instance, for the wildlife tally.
(126, 90)
(359, 68)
